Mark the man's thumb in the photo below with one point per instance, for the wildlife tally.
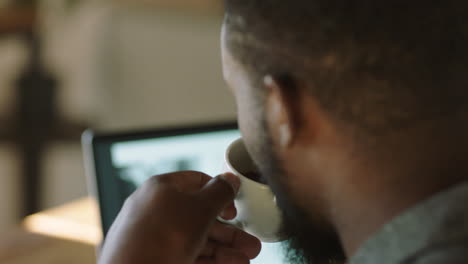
(220, 191)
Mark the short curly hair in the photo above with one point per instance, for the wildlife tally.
(382, 65)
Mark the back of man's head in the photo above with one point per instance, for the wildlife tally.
(379, 65)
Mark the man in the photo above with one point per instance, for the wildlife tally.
(356, 112)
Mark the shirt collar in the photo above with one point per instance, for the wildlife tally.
(441, 217)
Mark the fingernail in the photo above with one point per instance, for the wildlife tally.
(227, 215)
(233, 181)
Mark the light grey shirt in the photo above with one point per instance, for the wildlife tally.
(433, 232)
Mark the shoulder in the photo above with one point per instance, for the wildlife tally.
(455, 252)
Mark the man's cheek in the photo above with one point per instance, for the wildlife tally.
(245, 123)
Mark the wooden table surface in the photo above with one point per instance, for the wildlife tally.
(64, 235)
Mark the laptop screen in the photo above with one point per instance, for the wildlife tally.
(123, 162)
(136, 160)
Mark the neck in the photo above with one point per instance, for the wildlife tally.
(410, 170)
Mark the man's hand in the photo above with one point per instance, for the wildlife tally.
(171, 219)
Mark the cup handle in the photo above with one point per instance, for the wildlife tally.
(233, 222)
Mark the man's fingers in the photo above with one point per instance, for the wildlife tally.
(227, 179)
(224, 255)
(205, 260)
(184, 181)
(229, 212)
(236, 239)
(219, 192)
(233, 180)
(209, 249)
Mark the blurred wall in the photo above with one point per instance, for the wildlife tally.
(120, 67)
(126, 67)
(13, 54)
(168, 64)
(9, 188)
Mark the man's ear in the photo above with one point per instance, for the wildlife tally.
(281, 114)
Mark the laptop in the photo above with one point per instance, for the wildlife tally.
(118, 163)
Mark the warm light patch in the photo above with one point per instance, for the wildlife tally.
(77, 221)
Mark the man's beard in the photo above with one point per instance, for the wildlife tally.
(310, 240)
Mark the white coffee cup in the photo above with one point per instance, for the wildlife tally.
(257, 212)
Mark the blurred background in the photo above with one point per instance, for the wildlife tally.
(68, 65)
